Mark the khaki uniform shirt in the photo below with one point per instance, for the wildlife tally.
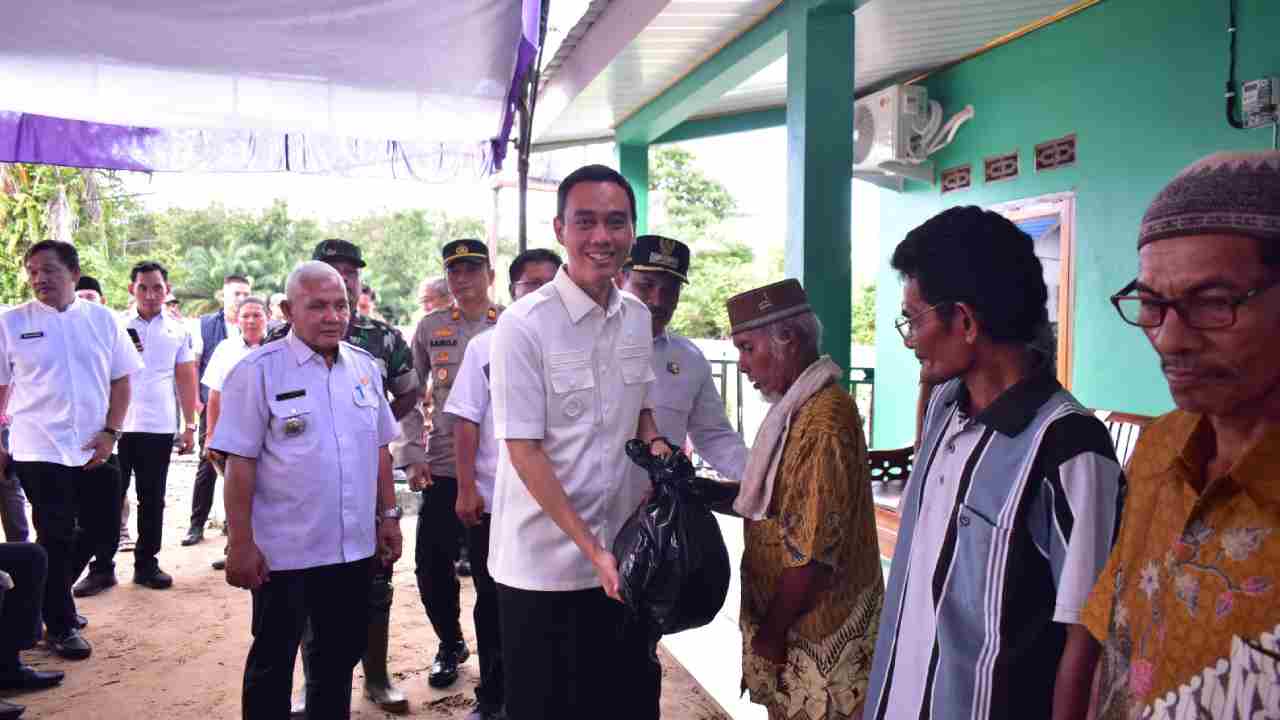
(438, 344)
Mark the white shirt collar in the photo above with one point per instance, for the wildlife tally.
(302, 352)
(577, 301)
(76, 303)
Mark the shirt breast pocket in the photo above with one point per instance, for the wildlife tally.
(293, 421)
(365, 406)
(573, 389)
(633, 360)
(980, 538)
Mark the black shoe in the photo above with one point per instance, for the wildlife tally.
(444, 671)
(10, 711)
(156, 579)
(94, 583)
(220, 564)
(69, 645)
(194, 535)
(81, 622)
(29, 678)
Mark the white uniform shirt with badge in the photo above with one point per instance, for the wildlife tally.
(316, 433)
(469, 400)
(59, 366)
(575, 376)
(225, 356)
(687, 404)
(153, 407)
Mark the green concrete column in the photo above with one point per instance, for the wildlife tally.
(633, 163)
(820, 161)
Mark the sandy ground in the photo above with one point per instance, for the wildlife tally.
(179, 653)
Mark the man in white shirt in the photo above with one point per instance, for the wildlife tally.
(150, 425)
(476, 455)
(686, 403)
(214, 328)
(571, 385)
(305, 425)
(69, 363)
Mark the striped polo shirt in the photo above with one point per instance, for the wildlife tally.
(1007, 519)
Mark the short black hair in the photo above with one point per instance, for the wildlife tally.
(534, 255)
(145, 267)
(593, 173)
(254, 300)
(65, 251)
(235, 278)
(978, 257)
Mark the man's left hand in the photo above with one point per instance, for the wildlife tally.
(768, 647)
(101, 445)
(419, 476)
(187, 441)
(390, 543)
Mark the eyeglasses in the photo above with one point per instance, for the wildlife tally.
(906, 325)
(1197, 311)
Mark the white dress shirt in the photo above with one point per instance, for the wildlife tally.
(469, 400)
(153, 407)
(687, 404)
(575, 376)
(316, 432)
(225, 356)
(59, 366)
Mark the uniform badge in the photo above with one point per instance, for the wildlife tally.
(440, 358)
(443, 332)
(491, 316)
(442, 374)
(294, 425)
(673, 367)
(573, 407)
(456, 315)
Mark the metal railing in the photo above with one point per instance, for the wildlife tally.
(730, 381)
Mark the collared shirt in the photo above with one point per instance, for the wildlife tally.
(60, 366)
(1007, 519)
(439, 343)
(1186, 608)
(316, 433)
(686, 404)
(469, 399)
(225, 356)
(574, 375)
(153, 406)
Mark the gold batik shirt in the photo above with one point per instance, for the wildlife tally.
(1187, 608)
(821, 511)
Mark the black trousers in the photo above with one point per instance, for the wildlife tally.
(575, 654)
(489, 693)
(20, 622)
(436, 550)
(77, 516)
(334, 599)
(206, 482)
(146, 456)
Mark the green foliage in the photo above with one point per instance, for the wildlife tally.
(693, 201)
(718, 273)
(864, 315)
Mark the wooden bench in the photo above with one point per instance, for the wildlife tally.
(895, 466)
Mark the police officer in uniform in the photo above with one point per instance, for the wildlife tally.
(438, 344)
(686, 402)
(392, 356)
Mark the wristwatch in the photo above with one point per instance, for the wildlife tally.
(112, 432)
(391, 513)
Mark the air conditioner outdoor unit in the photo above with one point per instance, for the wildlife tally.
(895, 131)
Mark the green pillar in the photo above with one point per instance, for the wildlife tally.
(820, 161)
(633, 163)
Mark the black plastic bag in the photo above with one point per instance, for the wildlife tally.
(673, 566)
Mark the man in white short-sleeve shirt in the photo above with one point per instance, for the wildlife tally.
(476, 456)
(167, 381)
(571, 385)
(68, 362)
(305, 425)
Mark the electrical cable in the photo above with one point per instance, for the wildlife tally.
(1232, 119)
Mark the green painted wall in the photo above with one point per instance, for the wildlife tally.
(1140, 83)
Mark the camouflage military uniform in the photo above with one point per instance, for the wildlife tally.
(438, 344)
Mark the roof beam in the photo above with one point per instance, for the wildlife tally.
(728, 124)
(743, 57)
(616, 27)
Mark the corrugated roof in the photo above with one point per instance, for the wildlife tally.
(894, 40)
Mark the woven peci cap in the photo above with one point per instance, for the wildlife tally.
(1227, 193)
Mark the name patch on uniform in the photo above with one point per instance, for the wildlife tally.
(31, 335)
(444, 343)
(291, 394)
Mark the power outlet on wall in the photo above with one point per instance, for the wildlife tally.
(1260, 102)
